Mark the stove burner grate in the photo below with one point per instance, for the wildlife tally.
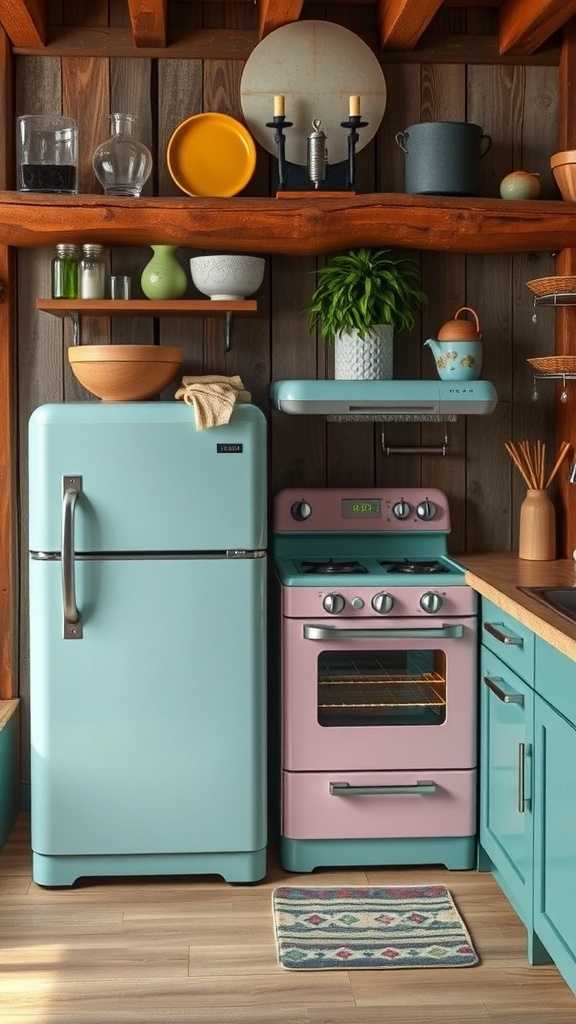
(332, 567)
(411, 568)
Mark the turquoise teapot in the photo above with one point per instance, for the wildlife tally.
(456, 360)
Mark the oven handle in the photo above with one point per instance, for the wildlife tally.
(420, 789)
(330, 633)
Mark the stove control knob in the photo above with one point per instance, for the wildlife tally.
(431, 602)
(382, 603)
(426, 510)
(301, 511)
(401, 510)
(333, 604)
(357, 603)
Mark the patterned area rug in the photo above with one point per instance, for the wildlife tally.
(369, 927)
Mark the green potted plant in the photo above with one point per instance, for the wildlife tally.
(362, 297)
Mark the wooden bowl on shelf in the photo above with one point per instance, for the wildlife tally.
(124, 373)
(563, 166)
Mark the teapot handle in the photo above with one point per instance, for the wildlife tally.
(468, 309)
(401, 139)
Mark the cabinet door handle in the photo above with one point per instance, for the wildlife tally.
(510, 639)
(521, 778)
(420, 789)
(497, 686)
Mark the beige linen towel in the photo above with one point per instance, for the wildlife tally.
(213, 398)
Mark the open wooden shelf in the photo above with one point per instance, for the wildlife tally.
(145, 307)
(306, 226)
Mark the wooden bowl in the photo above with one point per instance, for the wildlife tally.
(563, 166)
(124, 373)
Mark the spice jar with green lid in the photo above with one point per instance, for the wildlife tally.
(65, 271)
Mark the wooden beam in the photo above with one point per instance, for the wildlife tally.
(24, 21)
(527, 24)
(148, 20)
(402, 22)
(8, 561)
(310, 226)
(237, 44)
(275, 13)
(566, 318)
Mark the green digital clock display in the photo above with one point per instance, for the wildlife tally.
(357, 508)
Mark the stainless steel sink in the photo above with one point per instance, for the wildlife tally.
(560, 599)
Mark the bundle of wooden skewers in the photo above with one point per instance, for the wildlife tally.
(529, 457)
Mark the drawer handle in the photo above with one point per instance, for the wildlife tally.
(497, 685)
(345, 789)
(510, 639)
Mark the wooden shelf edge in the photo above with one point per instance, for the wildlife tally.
(145, 307)
(304, 226)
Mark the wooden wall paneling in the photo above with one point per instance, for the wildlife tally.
(402, 109)
(86, 97)
(40, 376)
(179, 96)
(565, 319)
(443, 98)
(131, 92)
(350, 451)
(8, 524)
(495, 100)
(538, 140)
(250, 354)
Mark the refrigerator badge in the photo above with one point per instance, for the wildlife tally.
(229, 448)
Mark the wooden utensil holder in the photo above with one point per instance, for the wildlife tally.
(537, 541)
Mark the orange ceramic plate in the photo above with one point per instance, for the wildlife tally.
(211, 155)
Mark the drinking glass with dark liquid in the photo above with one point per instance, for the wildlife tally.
(47, 154)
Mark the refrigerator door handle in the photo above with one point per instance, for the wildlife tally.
(72, 625)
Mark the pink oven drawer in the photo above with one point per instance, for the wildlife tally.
(315, 805)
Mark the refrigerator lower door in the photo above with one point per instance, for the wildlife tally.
(148, 734)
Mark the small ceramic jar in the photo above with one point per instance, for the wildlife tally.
(521, 185)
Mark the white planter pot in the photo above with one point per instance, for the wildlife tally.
(368, 359)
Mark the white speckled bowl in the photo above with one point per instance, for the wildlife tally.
(227, 277)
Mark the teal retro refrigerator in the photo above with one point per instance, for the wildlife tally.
(147, 630)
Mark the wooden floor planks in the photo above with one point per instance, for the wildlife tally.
(201, 952)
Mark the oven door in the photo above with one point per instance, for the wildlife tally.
(379, 697)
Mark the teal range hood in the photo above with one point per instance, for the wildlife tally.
(422, 400)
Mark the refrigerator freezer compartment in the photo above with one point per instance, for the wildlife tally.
(150, 480)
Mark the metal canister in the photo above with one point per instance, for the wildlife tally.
(317, 154)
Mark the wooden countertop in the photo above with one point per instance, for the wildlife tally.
(498, 577)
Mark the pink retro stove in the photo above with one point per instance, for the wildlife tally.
(379, 681)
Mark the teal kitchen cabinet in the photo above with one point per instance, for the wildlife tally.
(506, 820)
(508, 639)
(555, 836)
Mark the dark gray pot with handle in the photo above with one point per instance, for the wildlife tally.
(443, 157)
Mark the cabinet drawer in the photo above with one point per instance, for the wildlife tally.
(509, 639)
(378, 805)
(506, 777)
(556, 679)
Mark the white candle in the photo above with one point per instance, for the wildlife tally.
(354, 106)
(279, 106)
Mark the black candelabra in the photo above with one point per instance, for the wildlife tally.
(353, 123)
(279, 123)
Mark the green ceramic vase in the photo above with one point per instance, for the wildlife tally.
(163, 277)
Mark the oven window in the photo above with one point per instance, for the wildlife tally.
(381, 688)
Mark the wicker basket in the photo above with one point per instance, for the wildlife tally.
(553, 364)
(552, 285)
